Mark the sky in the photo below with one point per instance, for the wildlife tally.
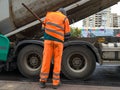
(114, 9)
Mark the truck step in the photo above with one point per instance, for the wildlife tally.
(111, 63)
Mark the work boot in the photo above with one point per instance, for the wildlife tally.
(56, 86)
(42, 84)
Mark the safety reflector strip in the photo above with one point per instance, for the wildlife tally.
(67, 33)
(44, 74)
(43, 79)
(56, 74)
(54, 31)
(56, 78)
(56, 25)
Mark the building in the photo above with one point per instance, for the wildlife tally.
(102, 19)
(118, 21)
(114, 20)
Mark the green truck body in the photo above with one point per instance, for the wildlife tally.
(4, 48)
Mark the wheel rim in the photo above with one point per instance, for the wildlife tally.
(33, 60)
(76, 62)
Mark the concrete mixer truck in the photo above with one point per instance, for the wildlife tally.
(21, 45)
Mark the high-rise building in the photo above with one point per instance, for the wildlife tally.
(118, 21)
(102, 19)
(105, 20)
(114, 20)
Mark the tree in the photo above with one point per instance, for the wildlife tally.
(75, 32)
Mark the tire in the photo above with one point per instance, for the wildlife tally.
(29, 61)
(78, 62)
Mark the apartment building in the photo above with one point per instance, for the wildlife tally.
(102, 19)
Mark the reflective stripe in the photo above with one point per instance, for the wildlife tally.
(67, 33)
(56, 74)
(45, 79)
(56, 78)
(50, 23)
(44, 74)
(54, 31)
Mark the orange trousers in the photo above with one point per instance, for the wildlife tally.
(51, 49)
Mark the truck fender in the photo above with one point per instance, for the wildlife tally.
(84, 43)
(24, 43)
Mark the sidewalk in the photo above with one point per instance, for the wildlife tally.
(15, 85)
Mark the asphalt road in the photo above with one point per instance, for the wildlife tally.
(102, 76)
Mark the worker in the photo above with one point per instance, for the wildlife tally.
(56, 30)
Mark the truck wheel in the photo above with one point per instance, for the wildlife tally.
(29, 61)
(78, 62)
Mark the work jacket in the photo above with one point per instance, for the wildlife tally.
(57, 25)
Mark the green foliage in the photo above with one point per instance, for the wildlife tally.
(75, 32)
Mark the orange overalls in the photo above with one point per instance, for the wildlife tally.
(56, 25)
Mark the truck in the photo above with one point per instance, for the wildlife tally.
(21, 45)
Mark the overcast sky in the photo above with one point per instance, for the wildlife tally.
(114, 9)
